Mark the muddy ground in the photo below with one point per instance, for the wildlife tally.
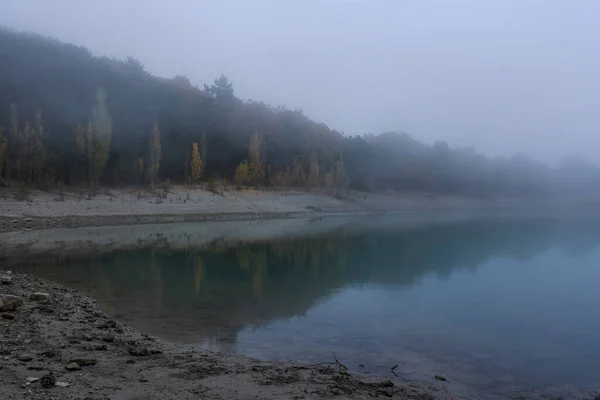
(56, 344)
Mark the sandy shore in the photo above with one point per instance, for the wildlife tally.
(32, 209)
(56, 344)
(36, 209)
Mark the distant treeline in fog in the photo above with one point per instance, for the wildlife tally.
(71, 118)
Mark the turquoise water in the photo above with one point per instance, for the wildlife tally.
(494, 306)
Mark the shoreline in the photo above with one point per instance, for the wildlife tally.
(8, 224)
(49, 328)
(36, 210)
(72, 243)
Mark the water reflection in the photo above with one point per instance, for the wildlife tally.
(364, 290)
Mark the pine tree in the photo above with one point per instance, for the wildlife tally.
(155, 154)
(196, 163)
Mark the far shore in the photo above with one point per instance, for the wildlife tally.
(34, 209)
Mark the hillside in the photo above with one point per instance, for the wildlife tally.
(74, 118)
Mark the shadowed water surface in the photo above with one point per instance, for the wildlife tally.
(495, 306)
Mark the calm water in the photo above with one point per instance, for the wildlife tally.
(493, 306)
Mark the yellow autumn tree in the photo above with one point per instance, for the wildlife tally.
(242, 173)
(256, 171)
(281, 178)
(196, 163)
(155, 154)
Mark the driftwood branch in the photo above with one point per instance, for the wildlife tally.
(341, 367)
(336, 363)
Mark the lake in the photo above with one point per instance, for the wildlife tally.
(498, 306)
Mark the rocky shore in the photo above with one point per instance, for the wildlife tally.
(56, 344)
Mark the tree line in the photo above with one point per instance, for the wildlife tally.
(73, 118)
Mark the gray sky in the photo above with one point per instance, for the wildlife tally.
(501, 75)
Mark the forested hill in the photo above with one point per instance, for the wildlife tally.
(74, 118)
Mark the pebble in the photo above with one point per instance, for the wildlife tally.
(48, 353)
(72, 367)
(138, 351)
(9, 302)
(6, 280)
(84, 362)
(108, 324)
(25, 357)
(108, 338)
(41, 297)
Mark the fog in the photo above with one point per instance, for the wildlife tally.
(504, 76)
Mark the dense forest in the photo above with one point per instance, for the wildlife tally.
(68, 117)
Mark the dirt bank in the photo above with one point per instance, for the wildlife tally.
(54, 334)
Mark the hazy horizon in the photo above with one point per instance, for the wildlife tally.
(504, 77)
